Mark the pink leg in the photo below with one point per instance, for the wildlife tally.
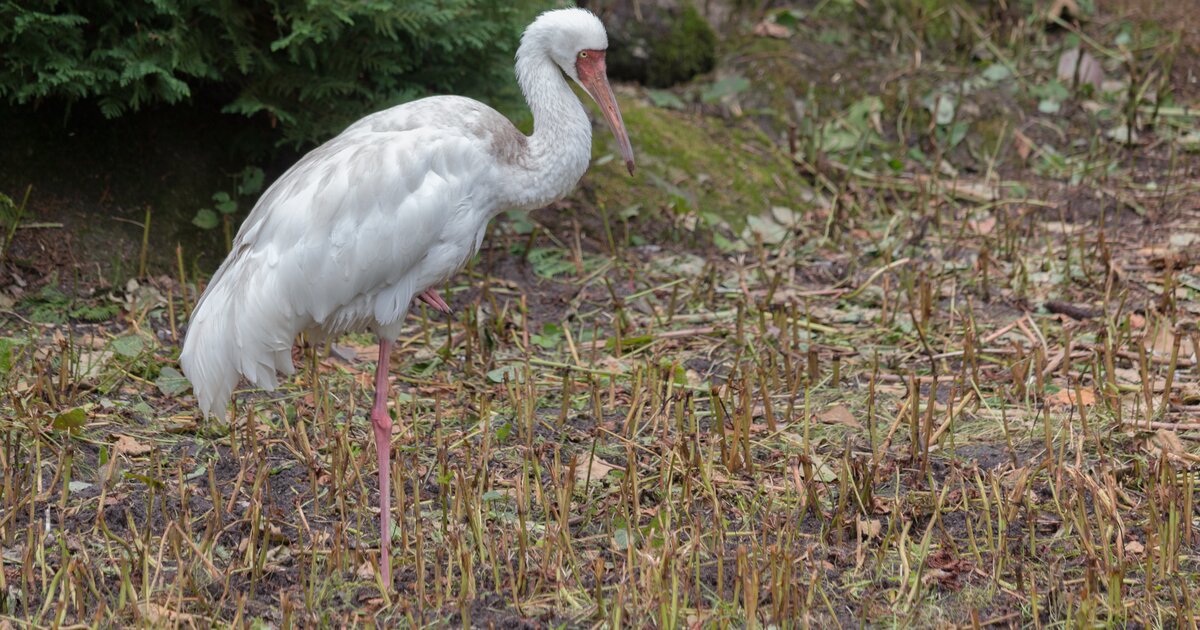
(382, 423)
(431, 297)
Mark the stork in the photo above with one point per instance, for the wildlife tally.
(386, 211)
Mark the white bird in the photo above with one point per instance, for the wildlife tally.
(387, 210)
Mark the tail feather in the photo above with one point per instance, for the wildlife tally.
(235, 332)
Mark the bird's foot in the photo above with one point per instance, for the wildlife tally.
(431, 297)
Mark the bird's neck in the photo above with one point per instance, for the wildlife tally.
(560, 148)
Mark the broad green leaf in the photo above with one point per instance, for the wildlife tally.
(200, 471)
(520, 223)
(789, 17)
(728, 245)
(550, 337)
(1121, 133)
(629, 343)
(252, 181)
(665, 99)
(513, 372)
(206, 219)
(725, 87)
(70, 420)
(943, 109)
(549, 262)
(149, 481)
(997, 72)
(170, 382)
(769, 231)
(224, 204)
(128, 346)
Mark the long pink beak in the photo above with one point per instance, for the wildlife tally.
(593, 74)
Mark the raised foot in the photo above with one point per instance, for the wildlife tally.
(435, 301)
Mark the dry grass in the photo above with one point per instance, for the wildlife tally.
(965, 395)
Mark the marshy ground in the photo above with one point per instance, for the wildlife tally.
(896, 326)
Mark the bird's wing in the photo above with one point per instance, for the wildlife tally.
(358, 214)
(341, 232)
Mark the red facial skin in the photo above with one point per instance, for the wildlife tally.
(593, 75)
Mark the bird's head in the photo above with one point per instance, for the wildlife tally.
(576, 41)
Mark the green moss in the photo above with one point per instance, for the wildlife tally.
(690, 164)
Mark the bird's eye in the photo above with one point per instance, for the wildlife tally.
(582, 54)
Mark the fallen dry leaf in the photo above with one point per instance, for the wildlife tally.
(131, 446)
(348, 352)
(767, 28)
(592, 467)
(972, 190)
(95, 342)
(1161, 341)
(613, 364)
(984, 227)
(785, 216)
(91, 364)
(365, 571)
(343, 352)
(180, 424)
(1065, 10)
(945, 569)
(161, 615)
(1060, 227)
(1023, 144)
(1133, 377)
(1168, 441)
(869, 528)
(1066, 397)
(839, 414)
(1089, 69)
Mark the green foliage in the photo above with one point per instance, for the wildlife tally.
(549, 262)
(51, 306)
(207, 218)
(309, 66)
(70, 421)
(248, 184)
(171, 382)
(8, 351)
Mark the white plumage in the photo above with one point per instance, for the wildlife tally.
(388, 209)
